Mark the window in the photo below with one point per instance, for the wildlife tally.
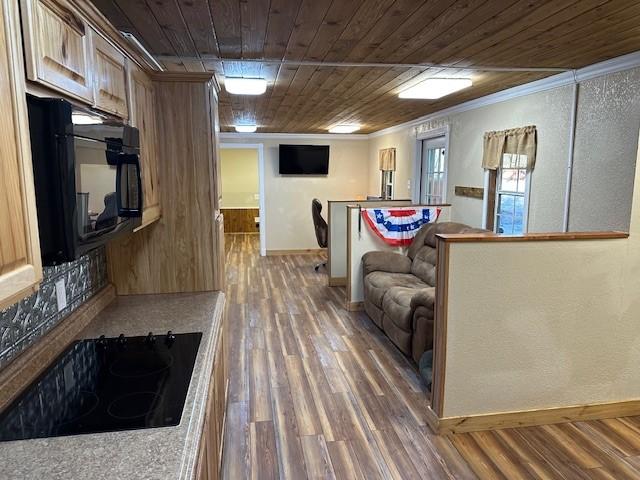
(511, 195)
(433, 171)
(386, 188)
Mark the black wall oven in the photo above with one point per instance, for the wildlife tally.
(87, 178)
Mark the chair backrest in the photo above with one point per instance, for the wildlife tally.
(318, 223)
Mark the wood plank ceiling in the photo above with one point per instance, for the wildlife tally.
(191, 35)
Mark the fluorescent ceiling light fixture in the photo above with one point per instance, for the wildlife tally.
(136, 43)
(245, 86)
(433, 88)
(344, 128)
(245, 128)
(85, 119)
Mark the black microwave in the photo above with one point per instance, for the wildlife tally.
(87, 178)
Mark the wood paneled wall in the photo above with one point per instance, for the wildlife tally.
(241, 220)
(177, 253)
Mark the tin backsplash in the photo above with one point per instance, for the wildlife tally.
(24, 322)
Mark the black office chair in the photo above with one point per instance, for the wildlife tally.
(320, 226)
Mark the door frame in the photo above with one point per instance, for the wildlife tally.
(261, 190)
(443, 131)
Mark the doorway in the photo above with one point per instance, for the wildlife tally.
(242, 172)
(431, 167)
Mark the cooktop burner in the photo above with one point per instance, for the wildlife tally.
(105, 385)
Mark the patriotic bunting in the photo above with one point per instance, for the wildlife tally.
(398, 226)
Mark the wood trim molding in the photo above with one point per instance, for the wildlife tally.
(351, 202)
(254, 137)
(302, 251)
(348, 262)
(491, 200)
(618, 64)
(355, 306)
(432, 420)
(529, 237)
(149, 216)
(528, 418)
(195, 77)
(329, 240)
(471, 192)
(100, 23)
(337, 281)
(22, 370)
(440, 327)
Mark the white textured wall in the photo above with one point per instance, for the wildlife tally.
(530, 326)
(337, 261)
(606, 143)
(606, 140)
(535, 325)
(289, 225)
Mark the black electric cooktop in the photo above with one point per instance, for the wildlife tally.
(105, 385)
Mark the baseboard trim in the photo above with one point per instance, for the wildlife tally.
(23, 369)
(529, 418)
(432, 420)
(303, 251)
(337, 281)
(355, 306)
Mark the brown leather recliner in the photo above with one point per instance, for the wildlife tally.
(399, 290)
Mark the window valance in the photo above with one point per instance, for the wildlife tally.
(520, 141)
(387, 158)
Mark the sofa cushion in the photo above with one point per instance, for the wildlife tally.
(418, 241)
(391, 262)
(397, 306)
(424, 265)
(397, 335)
(424, 298)
(377, 284)
(375, 313)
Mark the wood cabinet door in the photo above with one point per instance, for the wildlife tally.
(143, 116)
(20, 266)
(110, 77)
(219, 268)
(202, 467)
(215, 123)
(216, 409)
(58, 50)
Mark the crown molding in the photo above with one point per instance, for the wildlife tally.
(618, 64)
(292, 136)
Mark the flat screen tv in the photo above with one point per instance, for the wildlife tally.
(304, 159)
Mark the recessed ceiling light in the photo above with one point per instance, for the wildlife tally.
(245, 128)
(344, 128)
(433, 88)
(85, 119)
(245, 86)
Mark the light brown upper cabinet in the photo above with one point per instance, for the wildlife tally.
(143, 116)
(215, 123)
(110, 77)
(58, 49)
(20, 265)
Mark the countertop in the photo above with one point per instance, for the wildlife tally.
(158, 453)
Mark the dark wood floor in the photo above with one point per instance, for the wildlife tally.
(316, 391)
(603, 449)
(319, 392)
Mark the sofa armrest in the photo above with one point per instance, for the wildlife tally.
(390, 262)
(423, 298)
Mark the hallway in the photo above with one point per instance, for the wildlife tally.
(316, 391)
